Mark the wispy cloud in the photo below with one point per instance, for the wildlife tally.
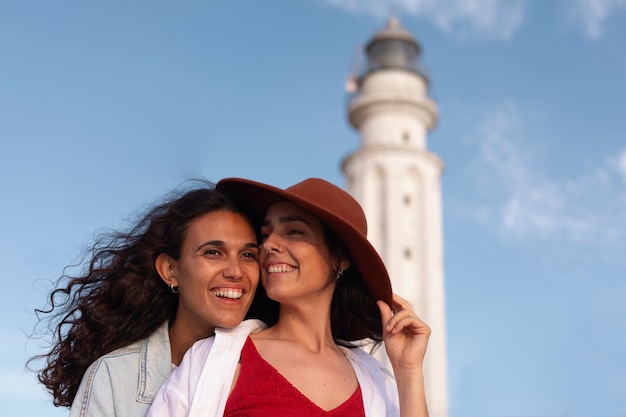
(493, 19)
(487, 19)
(593, 14)
(589, 208)
(619, 164)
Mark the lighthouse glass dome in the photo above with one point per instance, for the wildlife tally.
(392, 53)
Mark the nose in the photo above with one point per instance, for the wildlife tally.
(271, 244)
(233, 269)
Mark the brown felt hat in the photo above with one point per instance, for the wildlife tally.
(334, 207)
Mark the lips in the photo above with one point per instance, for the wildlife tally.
(231, 293)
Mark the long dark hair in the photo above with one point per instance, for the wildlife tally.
(354, 315)
(119, 297)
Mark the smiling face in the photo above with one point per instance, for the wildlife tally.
(300, 265)
(217, 273)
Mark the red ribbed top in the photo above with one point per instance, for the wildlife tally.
(263, 392)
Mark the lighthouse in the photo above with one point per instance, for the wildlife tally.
(397, 180)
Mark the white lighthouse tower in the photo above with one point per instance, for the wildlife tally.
(397, 181)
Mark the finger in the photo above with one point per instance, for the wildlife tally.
(407, 318)
(409, 323)
(385, 312)
(402, 310)
(400, 317)
(400, 303)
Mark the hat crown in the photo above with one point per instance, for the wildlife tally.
(333, 200)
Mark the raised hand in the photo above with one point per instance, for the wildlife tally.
(404, 334)
(406, 338)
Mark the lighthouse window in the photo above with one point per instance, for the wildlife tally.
(407, 253)
(392, 53)
(407, 200)
(406, 136)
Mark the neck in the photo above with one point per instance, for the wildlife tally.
(182, 337)
(306, 324)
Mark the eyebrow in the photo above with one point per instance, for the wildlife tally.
(251, 245)
(287, 219)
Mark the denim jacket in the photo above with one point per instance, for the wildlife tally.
(124, 382)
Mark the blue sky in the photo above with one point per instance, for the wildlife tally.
(106, 106)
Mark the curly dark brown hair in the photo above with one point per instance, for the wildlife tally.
(119, 297)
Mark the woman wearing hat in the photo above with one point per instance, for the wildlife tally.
(333, 291)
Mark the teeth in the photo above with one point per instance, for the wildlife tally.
(230, 293)
(272, 269)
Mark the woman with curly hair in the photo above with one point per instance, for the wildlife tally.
(189, 265)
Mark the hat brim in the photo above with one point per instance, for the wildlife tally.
(258, 197)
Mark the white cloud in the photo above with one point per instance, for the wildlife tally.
(619, 164)
(594, 13)
(589, 208)
(490, 19)
(494, 19)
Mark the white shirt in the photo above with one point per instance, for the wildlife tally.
(200, 386)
